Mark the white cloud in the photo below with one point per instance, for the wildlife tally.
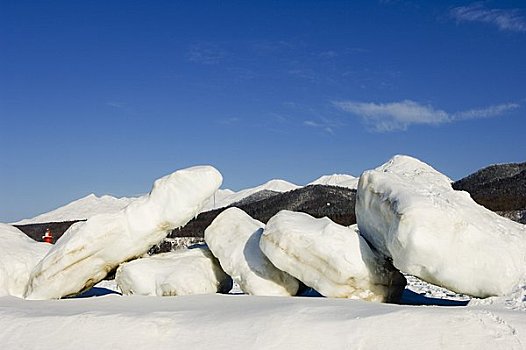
(395, 115)
(504, 19)
(489, 112)
(384, 117)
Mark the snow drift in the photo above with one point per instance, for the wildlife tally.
(88, 251)
(233, 322)
(409, 212)
(333, 259)
(19, 254)
(185, 272)
(233, 237)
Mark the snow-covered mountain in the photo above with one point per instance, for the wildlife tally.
(81, 209)
(222, 198)
(91, 205)
(342, 180)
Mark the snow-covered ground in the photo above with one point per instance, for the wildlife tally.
(102, 318)
(251, 322)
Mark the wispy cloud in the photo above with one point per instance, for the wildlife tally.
(504, 19)
(385, 117)
(326, 125)
(206, 53)
(395, 115)
(488, 112)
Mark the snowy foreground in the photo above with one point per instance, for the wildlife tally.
(252, 322)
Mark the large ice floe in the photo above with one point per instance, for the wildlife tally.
(409, 212)
(88, 251)
(233, 237)
(19, 254)
(333, 259)
(184, 272)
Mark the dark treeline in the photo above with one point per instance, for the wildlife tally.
(337, 203)
(497, 187)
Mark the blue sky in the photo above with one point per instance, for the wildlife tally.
(106, 96)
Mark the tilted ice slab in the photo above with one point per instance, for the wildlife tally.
(409, 212)
(184, 272)
(333, 259)
(19, 254)
(233, 237)
(88, 251)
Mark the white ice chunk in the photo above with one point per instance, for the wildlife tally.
(333, 259)
(19, 254)
(233, 237)
(409, 212)
(88, 251)
(183, 272)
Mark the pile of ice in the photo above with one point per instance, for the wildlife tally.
(410, 213)
(89, 250)
(19, 254)
(184, 272)
(234, 238)
(409, 219)
(333, 259)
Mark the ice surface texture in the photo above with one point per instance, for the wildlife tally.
(409, 212)
(89, 250)
(333, 259)
(233, 237)
(185, 272)
(19, 254)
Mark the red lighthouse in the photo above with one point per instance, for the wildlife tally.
(48, 236)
